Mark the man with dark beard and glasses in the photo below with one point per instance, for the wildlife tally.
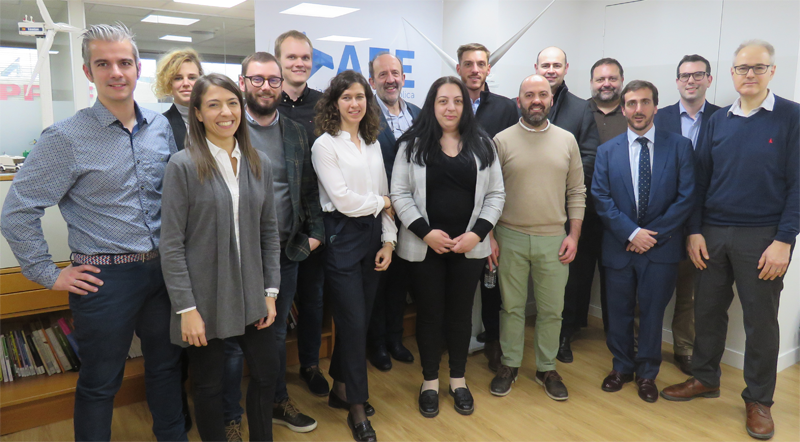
(299, 221)
(543, 176)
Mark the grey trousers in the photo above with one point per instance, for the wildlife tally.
(734, 253)
(683, 319)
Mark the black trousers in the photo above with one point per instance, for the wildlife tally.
(444, 290)
(351, 246)
(578, 292)
(386, 324)
(734, 253)
(491, 303)
(207, 365)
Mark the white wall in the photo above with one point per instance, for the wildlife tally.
(648, 38)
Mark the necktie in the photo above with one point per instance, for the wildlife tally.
(644, 180)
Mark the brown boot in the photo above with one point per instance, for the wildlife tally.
(493, 353)
(759, 421)
(688, 390)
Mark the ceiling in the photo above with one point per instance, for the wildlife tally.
(219, 33)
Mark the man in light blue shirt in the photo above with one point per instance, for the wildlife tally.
(687, 117)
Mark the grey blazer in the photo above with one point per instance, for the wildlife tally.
(409, 202)
(199, 256)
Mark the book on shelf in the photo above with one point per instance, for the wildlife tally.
(37, 359)
(44, 352)
(66, 348)
(70, 337)
(59, 352)
(4, 361)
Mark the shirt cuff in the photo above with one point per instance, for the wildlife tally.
(420, 228)
(271, 292)
(187, 310)
(482, 228)
(633, 235)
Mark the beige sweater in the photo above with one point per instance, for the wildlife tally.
(543, 176)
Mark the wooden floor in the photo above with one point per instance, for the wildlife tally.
(526, 413)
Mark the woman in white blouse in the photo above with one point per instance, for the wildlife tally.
(360, 232)
(220, 255)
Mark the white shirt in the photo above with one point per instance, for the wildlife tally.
(547, 126)
(352, 180)
(634, 152)
(768, 104)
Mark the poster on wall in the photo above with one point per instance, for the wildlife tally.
(359, 31)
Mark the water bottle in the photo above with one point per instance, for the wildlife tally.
(490, 277)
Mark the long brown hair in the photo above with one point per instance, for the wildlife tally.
(196, 142)
(328, 119)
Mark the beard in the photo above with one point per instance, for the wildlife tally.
(534, 119)
(260, 109)
(646, 122)
(598, 95)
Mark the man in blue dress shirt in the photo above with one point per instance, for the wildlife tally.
(104, 167)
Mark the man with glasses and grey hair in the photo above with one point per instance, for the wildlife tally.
(688, 117)
(743, 231)
(104, 168)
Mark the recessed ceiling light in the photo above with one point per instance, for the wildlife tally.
(167, 20)
(53, 52)
(177, 38)
(216, 3)
(315, 10)
(342, 38)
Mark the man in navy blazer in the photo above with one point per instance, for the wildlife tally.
(643, 189)
(385, 333)
(688, 117)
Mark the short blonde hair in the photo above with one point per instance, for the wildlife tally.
(168, 67)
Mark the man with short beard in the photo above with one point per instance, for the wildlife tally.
(543, 178)
(607, 79)
(298, 211)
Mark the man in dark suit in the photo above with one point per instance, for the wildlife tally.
(385, 333)
(574, 115)
(688, 117)
(643, 189)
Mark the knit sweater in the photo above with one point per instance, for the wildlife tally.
(543, 176)
(748, 171)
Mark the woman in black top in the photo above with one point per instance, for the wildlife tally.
(176, 74)
(447, 189)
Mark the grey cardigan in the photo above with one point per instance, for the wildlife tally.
(199, 257)
(409, 201)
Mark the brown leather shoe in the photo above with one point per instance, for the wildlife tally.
(647, 389)
(759, 421)
(493, 353)
(684, 363)
(615, 380)
(688, 390)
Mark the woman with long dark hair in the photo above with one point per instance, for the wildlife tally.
(220, 255)
(447, 189)
(359, 232)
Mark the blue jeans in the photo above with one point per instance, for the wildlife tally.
(232, 392)
(133, 297)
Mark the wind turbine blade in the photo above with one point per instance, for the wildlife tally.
(499, 52)
(44, 54)
(450, 61)
(45, 15)
(63, 27)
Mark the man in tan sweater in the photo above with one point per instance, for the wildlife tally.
(543, 176)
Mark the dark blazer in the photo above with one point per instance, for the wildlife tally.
(496, 113)
(669, 119)
(574, 115)
(671, 197)
(179, 127)
(388, 141)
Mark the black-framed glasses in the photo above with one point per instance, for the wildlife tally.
(758, 69)
(258, 80)
(699, 75)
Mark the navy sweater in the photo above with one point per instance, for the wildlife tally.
(748, 171)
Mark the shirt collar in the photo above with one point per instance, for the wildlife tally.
(593, 106)
(650, 135)
(106, 118)
(534, 130)
(251, 120)
(385, 108)
(684, 111)
(217, 151)
(287, 98)
(768, 104)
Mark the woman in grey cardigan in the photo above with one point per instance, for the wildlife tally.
(220, 255)
(447, 189)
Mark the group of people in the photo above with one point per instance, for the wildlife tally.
(199, 230)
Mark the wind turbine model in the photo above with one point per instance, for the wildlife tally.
(47, 30)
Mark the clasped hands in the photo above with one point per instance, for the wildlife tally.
(642, 242)
(441, 242)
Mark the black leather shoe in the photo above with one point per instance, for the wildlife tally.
(399, 352)
(647, 389)
(493, 352)
(615, 380)
(362, 431)
(481, 337)
(429, 403)
(315, 380)
(464, 404)
(335, 401)
(380, 358)
(564, 351)
(684, 363)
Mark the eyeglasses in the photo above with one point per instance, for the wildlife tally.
(258, 81)
(758, 69)
(696, 75)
